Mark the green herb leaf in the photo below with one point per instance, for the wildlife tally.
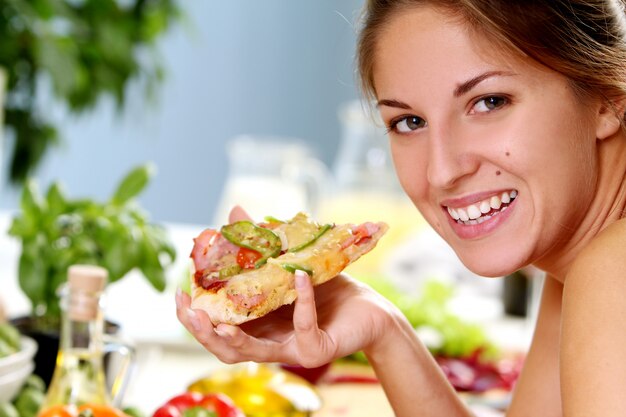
(133, 184)
(55, 198)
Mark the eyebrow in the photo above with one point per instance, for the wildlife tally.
(393, 103)
(460, 90)
(467, 86)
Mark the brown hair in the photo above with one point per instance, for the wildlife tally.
(583, 40)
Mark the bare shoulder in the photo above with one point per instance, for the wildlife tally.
(593, 331)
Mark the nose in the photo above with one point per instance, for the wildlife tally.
(450, 158)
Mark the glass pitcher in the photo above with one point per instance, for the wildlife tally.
(271, 176)
(366, 186)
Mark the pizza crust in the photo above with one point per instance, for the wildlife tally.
(255, 293)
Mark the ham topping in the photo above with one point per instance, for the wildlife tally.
(210, 253)
(361, 234)
(247, 302)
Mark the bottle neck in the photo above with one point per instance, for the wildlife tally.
(82, 320)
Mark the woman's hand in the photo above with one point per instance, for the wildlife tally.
(333, 320)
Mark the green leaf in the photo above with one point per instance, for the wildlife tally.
(32, 271)
(120, 255)
(59, 56)
(133, 184)
(27, 223)
(56, 199)
(151, 266)
(31, 202)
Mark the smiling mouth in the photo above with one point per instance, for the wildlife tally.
(482, 210)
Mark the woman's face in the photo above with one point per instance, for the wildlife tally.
(494, 150)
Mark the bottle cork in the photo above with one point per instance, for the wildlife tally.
(85, 285)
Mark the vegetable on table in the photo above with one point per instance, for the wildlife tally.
(85, 410)
(10, 341)
(195, 404)
(27, 401)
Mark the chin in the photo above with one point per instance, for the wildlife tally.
(491, 265)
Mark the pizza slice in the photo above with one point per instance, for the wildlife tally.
(246, 270)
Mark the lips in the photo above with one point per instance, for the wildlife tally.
(483, 210)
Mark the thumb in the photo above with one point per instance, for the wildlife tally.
(309, 338)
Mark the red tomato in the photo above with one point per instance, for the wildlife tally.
(246, 258)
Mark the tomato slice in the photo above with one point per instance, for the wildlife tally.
(247, 258)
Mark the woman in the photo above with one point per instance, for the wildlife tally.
(505, 121)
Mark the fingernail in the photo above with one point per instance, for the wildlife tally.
(223, 331)
(301, 279)
(193, 319)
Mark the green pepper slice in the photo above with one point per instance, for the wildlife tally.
(294, 267)
(317, 235)
(229, 271)
(272, 219)
(248, 235)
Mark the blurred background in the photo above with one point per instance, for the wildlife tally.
(230, 68)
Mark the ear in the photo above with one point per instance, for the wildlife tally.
(610, 118)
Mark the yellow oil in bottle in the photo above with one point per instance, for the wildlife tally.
(78, 376)
(262, 390)
(78, 379)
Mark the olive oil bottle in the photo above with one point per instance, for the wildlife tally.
(79, 376)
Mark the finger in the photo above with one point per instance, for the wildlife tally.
(196, 321)
(309, 338)
(248, 347)
(228, 343)
(237, 213)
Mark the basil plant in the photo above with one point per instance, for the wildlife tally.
(56, 231)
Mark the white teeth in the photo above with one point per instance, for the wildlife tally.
(482, 219)
(477, 213)
(473, 212)
(495, 202)
(453, 213)
(462, 214)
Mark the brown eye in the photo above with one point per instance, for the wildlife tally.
(408, 124)
(488, 104)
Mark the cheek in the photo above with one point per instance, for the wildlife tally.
(410, 163)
